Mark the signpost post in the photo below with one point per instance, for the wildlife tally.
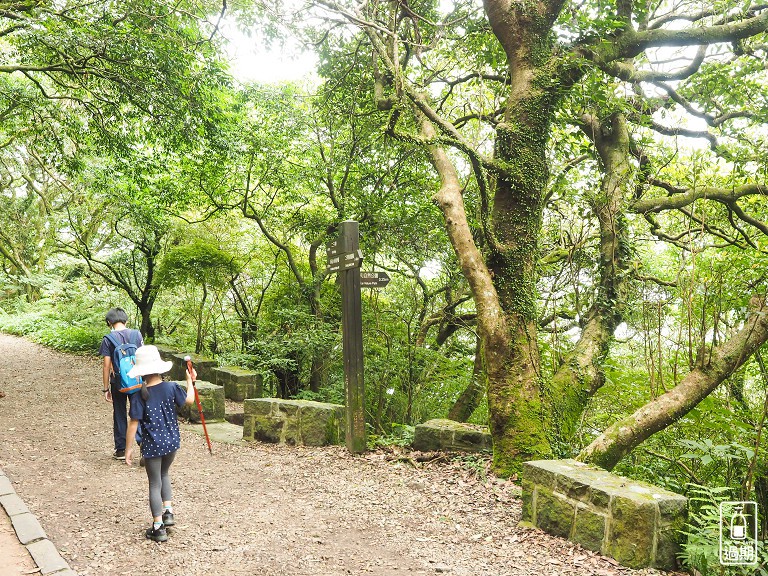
(345, 258)
(346, 261)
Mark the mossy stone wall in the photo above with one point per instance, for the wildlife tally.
(203, 366)
(293, 421)
(238, 384)
(633, 522)
(211, 401)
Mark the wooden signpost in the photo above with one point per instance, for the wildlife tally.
(345, 258)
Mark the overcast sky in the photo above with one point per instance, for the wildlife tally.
(252, 62)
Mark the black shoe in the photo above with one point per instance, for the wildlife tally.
(157, 534)
(118, 454)
(168, 518)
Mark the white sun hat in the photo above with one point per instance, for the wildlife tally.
(148, 361)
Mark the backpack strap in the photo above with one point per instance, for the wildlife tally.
(133, 337)
(113, 340)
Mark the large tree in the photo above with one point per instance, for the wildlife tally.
(486, 88)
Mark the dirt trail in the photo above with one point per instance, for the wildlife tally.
(254, 509)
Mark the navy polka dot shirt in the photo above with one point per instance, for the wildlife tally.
(158, 420)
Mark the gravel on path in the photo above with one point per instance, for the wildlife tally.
(256, 508)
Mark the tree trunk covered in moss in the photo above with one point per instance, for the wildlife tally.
(507, 339)
(516, 412)
(580, 374)
(623, 436)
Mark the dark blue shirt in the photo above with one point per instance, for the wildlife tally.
(158, 420)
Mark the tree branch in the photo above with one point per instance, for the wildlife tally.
(688, 196)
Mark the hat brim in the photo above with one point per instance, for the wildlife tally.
(157, 367)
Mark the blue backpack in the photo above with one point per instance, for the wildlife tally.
(124, 358)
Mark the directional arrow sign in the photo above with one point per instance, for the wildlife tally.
(373, 279)
(344, 261)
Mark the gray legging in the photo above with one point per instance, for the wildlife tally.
(159, 482)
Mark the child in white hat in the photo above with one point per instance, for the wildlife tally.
(155, 411)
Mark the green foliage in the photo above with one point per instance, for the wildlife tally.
(477, 465)
(701, 551)
(56, 327)
(201, 261)
(399, 435)
(707, 452)
(23, 323)
(125, 60)
(68, 337)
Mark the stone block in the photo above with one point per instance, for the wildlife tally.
(287, 408)
(27, 528)
(599, 496)
(574, 487)
(673, 509)
(248, 428)
(528, 497)
(46, 557)
(589, 528)
(238, 384)
(668, 545)
(236, 418)
(265, 429)
(634, 522)
(13, 504)
(451, 436)
(258, 406)
(293, 421)
(320, 424)
(5, 486)
(631, 532)
(211, 401)
(554, 513)
(427, 438)
(541, 472)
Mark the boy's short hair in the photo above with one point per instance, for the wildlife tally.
(116, 315)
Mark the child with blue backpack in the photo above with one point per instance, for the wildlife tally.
(155, 411)
(120, 338)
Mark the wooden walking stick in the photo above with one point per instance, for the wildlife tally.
(188, 360)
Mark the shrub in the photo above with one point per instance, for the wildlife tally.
(23, 323)
(701, 551)
(399, 435)
(70, 338)
(71, 330)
